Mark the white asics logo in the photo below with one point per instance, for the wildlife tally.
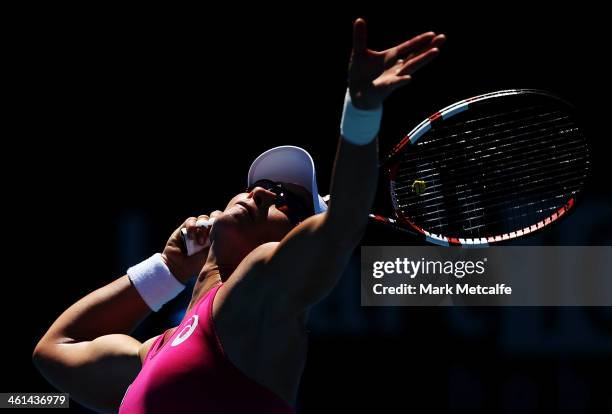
(186, 331)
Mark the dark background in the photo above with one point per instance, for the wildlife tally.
(121, 123)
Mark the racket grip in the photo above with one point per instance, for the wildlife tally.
(191, 247)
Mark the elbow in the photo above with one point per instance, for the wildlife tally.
(43, 361)
(38, 355)
(41, 355)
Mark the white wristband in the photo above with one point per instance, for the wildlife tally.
(359, 126)
(154, 282)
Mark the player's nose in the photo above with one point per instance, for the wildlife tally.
(263, 198)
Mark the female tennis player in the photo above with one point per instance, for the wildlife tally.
(274, 252)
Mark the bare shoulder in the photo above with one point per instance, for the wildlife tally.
(252, 265)
(262, 253)
(247, 276)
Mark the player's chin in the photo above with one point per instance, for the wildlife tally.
(240, 226)
(230, 226)
(233, 218)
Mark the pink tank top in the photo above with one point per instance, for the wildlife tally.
(190, 373)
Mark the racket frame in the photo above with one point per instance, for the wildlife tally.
(390, 167)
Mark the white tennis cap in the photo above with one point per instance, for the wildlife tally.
(288, 164)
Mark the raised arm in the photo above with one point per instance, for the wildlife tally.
(308, 262)
(88, 352)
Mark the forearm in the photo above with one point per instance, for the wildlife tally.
(86, 352)
(373, 76)
(116, 308)
(353, 187)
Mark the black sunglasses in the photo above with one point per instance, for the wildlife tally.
(297, 208)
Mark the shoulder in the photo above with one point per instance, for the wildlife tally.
(255, 261)
(262, 253)
(247, 275)
(247, 287)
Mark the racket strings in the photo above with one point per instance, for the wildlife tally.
(541, 206)
(515, 217)
(503, 148)
(491, 116)
(441, 134)
(476, 198)
(478, 139)
(511, 169)
(512, 172)
(518, 194)
(508, 156)
(486, 178)
(473, 200)
(521, 214)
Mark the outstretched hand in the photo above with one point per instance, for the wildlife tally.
(374, 75)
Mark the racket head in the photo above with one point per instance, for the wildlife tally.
(489, 168)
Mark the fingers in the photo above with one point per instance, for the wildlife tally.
(417, 62)
(400, 81)
(202, 230)
(436, 41)
(196, 230)
(415, 44)
(190, 225)
(359, 36)
(215, 214)
(204, 226)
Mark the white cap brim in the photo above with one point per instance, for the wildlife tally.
(288, 164)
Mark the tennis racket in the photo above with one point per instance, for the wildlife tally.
(487, 169)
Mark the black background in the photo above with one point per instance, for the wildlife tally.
(121, 123)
